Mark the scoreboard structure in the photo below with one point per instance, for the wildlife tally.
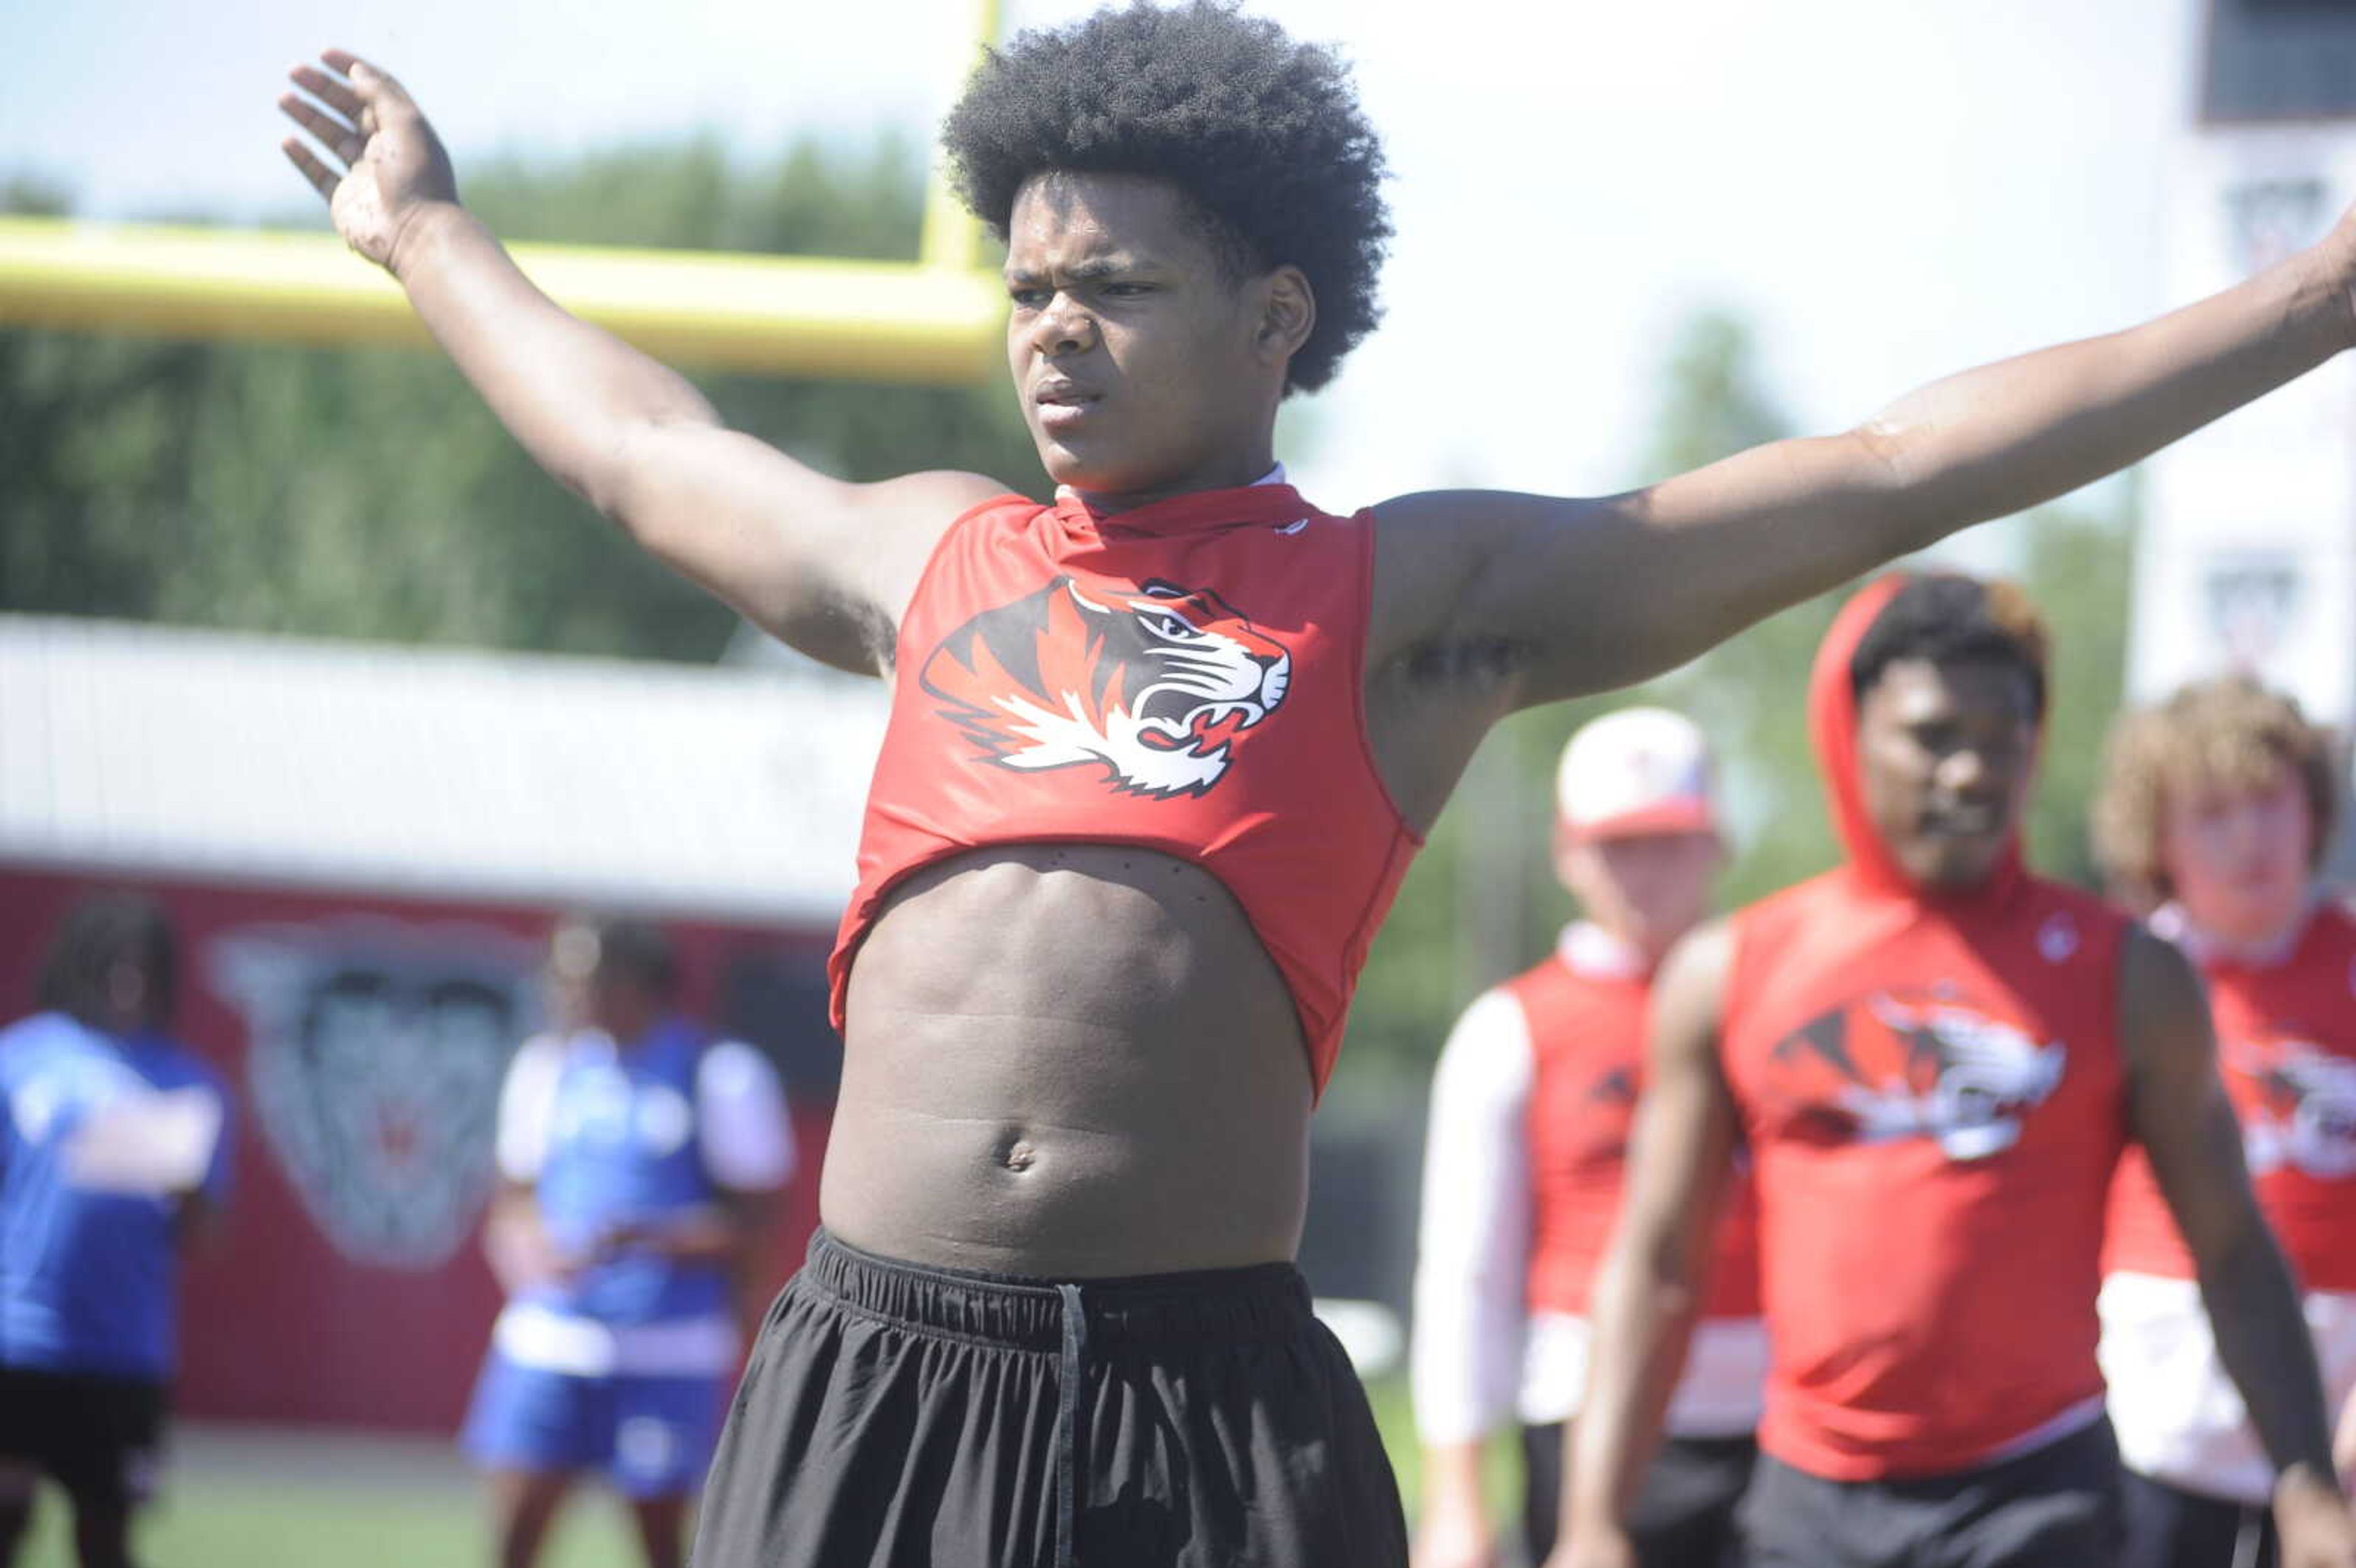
(2247, 555)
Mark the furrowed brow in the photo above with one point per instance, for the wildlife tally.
(1095, 270)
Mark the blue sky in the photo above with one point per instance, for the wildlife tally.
(1890, 191)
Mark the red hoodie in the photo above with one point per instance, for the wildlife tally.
(1931, 1088)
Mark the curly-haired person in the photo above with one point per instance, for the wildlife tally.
(1160, 752)
(2214, 812)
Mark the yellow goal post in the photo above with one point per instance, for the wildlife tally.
(936, 319)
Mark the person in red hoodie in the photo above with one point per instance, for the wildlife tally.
(1531, 1107)
(1935, 1059)
(2214, 811)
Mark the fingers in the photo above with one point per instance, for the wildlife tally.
(306, 163)
(344, 141)
(371, 83)
(331, 91)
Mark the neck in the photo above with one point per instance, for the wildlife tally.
(2253, 948)
(1238, 473)
(1595, 948)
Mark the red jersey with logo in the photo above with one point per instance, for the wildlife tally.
(1586, 1048)
(1935, 1097)
(1189, 678)
(2286, 1052)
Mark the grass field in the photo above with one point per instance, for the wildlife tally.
(243, 1498)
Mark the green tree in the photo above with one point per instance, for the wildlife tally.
(366, 492)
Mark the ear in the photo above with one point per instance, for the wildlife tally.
(1288, 313)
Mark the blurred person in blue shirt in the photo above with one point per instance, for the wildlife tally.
(114, 1152)
(637, 1153)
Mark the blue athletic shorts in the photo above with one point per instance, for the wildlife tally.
(651, 1437)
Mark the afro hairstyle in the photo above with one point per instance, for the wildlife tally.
(1263, 136)
(1946, 618)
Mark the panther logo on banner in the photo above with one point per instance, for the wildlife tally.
(376, 1052)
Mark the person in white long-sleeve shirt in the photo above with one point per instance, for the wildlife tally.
(1531, 1110)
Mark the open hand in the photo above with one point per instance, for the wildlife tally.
(395, 169)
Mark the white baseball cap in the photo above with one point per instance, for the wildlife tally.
(1640, 770)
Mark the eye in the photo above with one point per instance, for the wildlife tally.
(1173, 627)
(1027, 298)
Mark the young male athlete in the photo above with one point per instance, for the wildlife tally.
(636, 1152)
(2216, 807)
(1530, 1113)
(1160, 753)
(1935, 1059)
(114, 1153)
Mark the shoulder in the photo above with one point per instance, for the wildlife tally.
(33, 1033)
(1487, 1061)
(540, 1053)
(732, 1067)
(2152, 968)
(2163, 1005)
(1699, 962)
(1787, 913)
(2334, 929)
(537, 1067)
(44, 1037)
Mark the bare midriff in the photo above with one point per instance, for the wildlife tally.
(1068, 1062)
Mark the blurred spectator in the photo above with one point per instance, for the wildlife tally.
(2214, 812)
(637, 1155)
(114, 1152)
(1531, 1109)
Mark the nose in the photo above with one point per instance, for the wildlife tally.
(1063, 327)
(1965, 770)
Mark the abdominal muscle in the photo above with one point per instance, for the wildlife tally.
(1071, 1061)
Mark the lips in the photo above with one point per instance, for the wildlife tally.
(1062, 403)
(1961, 821)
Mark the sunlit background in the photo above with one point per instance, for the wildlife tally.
(294, 638)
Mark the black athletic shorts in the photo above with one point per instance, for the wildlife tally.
(902, 1417)
(2054, 1507)
(97, 1437)
(1684, 1516)
(2167, 1528)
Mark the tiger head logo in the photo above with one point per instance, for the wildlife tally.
(2297, 1103)
(1157, 687)
(1898, 1065)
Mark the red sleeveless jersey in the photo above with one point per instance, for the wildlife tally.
(2286, 1052)
(1188, 677)
(1935, 1101)
(1587, 1060)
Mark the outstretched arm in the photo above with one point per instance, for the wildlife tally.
(1584, 596)
(825, 565)
(1648, 1292)
(2178, 1111)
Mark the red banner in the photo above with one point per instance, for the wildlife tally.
(364, 1040)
